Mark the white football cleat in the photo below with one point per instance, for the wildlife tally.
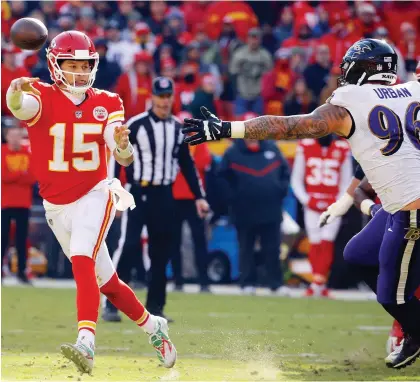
(159, 339)
(394, 353)
(81, 355)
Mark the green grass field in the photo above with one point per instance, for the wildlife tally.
(218, 338)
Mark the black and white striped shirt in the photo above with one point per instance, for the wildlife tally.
(159, 152)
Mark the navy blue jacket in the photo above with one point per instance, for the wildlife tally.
(258, 182)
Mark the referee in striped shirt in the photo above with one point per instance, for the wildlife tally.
(159, 152)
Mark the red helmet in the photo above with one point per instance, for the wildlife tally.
(72, 45)
(418, 72)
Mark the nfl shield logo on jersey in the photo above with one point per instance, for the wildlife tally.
(78, 114)
(100, 113)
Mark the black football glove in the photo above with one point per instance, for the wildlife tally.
(211, 129)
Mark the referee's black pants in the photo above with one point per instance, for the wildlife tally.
(154, 207)
(186, 210)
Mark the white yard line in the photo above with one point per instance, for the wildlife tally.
(229, 290)
(374, 328)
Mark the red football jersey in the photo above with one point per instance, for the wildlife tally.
(67, 141)
(323, 164)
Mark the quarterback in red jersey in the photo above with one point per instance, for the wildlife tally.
(70, 125)
(321, 172)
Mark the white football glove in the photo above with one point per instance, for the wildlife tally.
(335, 210)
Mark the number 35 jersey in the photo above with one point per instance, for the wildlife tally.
(323, 166)
(68, 141)
(386, 138)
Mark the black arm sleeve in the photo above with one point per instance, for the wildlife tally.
(359, 173)
(187, 165)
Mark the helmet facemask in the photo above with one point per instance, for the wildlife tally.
(359, 73)
(57, 74)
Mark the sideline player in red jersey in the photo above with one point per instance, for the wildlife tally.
(70, 124)
(321, 172)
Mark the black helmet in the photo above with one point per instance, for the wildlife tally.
(369, 60)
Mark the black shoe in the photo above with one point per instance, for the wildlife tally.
(410, 350)
(205, 289)
(109, 315)
(24, 279)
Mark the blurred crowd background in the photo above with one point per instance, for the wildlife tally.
(239, 59)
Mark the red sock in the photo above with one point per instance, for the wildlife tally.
(417, 293)
(125, 300)
(87, 294)
(396, 330)
(314, 258)
(326, 258)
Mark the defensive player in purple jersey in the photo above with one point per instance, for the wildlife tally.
(381, 123)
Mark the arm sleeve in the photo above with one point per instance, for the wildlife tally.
(115, 119)
(109, 135)
(24, 106)
(346, 173)
(298, 177)
(189, 171)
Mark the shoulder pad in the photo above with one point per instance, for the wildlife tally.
(105, 93)
(348, 95)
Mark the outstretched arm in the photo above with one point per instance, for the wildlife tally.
(23, 99)
(324, 120)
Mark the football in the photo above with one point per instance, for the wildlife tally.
(29, 33)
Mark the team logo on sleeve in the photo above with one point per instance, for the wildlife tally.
(100, 113)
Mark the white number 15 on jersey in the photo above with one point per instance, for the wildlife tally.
(79, 146)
